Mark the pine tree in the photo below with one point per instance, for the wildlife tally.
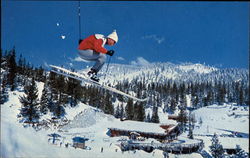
(20, 78)
(195, 97)
(54, 98)
(208, 99)
(3, 63)
(183, 98)
(191, 121)
(182, 117)
(129, 110)
(139, 112)
(59, 110)
(216, 148)
(108, 106)
(45, 102)
(30, 102)
(60, 87)
(122, 111)
(241, 96)
(74, 90)
(173, 105)
(12, 70)
(195, 101)
(3, 91)
(135, 111)
(39, 74)
(155, 117)
(148, 118)
(21, 65)
(117, 112)
(59, 97)
(205, 101)
(221, 93)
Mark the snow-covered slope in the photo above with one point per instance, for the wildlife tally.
(88, 122)
(230, 122)
(91, 123)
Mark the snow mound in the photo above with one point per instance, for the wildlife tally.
(86, 118)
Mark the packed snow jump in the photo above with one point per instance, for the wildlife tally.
(85, 78)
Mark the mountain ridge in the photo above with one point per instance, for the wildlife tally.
(161, 72)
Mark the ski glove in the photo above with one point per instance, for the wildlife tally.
(111, 52)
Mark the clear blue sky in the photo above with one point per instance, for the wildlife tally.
(214, 33)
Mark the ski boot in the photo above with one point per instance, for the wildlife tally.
(93, 75)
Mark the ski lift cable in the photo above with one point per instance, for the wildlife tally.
(79, 19)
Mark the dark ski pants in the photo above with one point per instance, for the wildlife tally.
(91, 55)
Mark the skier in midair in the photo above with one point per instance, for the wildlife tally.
(92, 49)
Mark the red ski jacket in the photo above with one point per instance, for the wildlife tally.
(93, 43)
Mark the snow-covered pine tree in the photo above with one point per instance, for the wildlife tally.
(246, 95)
(61, 89)
(3, 92)
(20, 77)
(58, 97)
(182, 92)
(122, 111)
(46, 100)
(139, 112)
(108, 106)
(207, 100)
(3, 79)
(195, 95)
(59, 110)
(216, 148)
(221, 96)
(30, 102)
(74, 90)
(182, 117)
(173, 105)
(241, 96)
(191, 122)
(40, 74)
(129, 110)
(12, 69)
(117, 111)
(148, 118)
(20, 64)
(155, 117)
(94, 97)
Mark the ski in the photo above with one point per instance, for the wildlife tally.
(81, 77)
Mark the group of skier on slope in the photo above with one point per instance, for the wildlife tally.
(92, 49)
